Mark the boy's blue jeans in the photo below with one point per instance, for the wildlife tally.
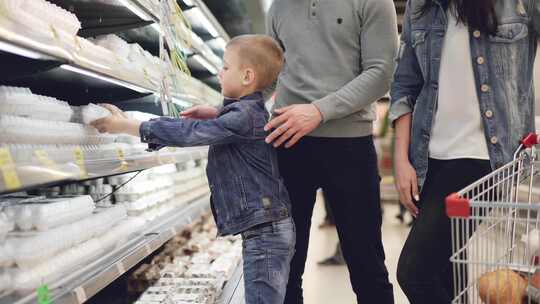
(267, 253)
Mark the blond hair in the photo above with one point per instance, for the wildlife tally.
(263, 54)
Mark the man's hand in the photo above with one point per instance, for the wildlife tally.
(200, 112)
(293, 123)
(118, 122)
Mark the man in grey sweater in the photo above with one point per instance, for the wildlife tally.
(339, 60)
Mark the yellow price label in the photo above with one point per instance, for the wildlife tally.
(122, 158)
(9, 172)
(79, 160)
(44, 159)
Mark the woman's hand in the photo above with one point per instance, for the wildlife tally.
(200, 112)
(404, 173)
(407, 185)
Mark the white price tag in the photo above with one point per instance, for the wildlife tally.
(120, 267)
(80, 294)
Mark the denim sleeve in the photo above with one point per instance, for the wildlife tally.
(235, 125)
(408, 79)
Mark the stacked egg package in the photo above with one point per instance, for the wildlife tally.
(160, 190)
(54, 30)
(56, 230)
(30, 123)
(44, 238)
(48, 26)
(192, 268)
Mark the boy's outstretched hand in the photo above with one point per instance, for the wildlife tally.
(118, 122)
(200, 112)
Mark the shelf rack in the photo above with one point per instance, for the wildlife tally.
(88, 280)
(45, 173)
(73, 67)
(60, 67)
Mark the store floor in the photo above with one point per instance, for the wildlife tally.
(330, 284)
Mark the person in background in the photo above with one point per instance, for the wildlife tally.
(248, 193)
(328, 217)
(339, 60)
(462, 99)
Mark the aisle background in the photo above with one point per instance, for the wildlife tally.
(330, 284)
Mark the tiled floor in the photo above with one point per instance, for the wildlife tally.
(325, 285)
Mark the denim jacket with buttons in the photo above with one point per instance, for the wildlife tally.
(502, 66)
(246, 186)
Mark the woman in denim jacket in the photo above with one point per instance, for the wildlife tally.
(462, 98)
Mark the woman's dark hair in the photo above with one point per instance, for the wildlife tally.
(477, 14)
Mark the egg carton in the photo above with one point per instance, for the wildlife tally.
(23, 130)
(182, 298)
(120, 233)
(96, 57)
(6, 281)
(7, 224)
(21, 102)
(91, 112)
(51, 212)
(159, 290)
(59, 154)
(141, 205)
(210, 283)
(41, 15)
(159, 298)
(69, 260)
(51, 270)
(29, 251)
(114, 44)
(122, 50)
(142, 60)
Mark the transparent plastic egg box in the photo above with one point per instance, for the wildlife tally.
(50, 212)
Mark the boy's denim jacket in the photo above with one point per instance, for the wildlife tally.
(503, 70)
(246, 186)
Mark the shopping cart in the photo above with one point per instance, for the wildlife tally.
(496, 234)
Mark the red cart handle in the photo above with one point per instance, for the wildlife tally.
(530, 140)
(457, 206)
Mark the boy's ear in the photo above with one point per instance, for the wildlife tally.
(249, 77)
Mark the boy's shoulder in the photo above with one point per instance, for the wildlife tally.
(250, 106)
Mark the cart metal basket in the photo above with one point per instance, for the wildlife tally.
(496, 234)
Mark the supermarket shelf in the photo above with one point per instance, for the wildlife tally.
(88, 280)
(208, 14)
(233, 293)
(139, 8)
(70, 72)
(17, 43)
(32, 175)
(199, 45)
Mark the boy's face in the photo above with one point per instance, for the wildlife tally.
(233, 78)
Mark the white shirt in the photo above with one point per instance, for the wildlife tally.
(457, 130)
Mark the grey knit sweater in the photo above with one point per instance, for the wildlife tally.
(339, 56)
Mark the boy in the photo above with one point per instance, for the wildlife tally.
(248, 194)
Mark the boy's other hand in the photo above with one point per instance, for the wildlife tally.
(200, 112)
